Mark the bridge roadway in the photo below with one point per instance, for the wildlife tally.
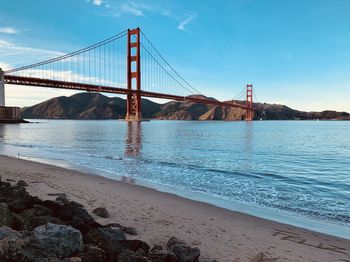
(31, 81)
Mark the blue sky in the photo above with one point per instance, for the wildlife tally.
(294, 52)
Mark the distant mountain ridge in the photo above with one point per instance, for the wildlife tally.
(98, 106)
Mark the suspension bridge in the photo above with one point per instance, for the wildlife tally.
(128, 64)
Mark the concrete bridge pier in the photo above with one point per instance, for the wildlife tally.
(2, 88)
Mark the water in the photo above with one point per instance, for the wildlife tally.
(292, 171)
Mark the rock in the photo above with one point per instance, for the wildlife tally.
(58, 240)
(135, 245)
(129, 230)
(183, 252)
(79, 214)
(7, 232)
(163, 256)
(10, 180)
(76, 204)
(101, 212)
(6, 218)
(173, 240)
(93, 254)
(63, 199)
(22, 183)
(62, 212)
(105, 234)
(156, 247)
(17, 205)
(130, 256)
(107, 239)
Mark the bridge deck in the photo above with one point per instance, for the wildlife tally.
(31, 81)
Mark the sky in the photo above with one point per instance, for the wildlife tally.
(295, 53)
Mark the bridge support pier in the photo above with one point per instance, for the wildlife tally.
(2, 88)
(133, 104)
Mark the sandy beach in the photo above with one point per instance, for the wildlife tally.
(221, 234)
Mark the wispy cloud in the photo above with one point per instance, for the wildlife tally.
(97, 2)
(10, 51)
(8, 30)
(4, 66)
(184, 23)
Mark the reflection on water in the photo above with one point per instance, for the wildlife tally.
(133, 141)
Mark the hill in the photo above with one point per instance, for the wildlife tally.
(97, 106)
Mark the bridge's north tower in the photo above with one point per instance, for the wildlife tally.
(249, 103)
(2, 88)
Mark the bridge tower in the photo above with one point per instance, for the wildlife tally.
(133, 104)
(2, 88)
(249, 103)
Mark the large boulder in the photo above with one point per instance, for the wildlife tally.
(6, 218)
(58, 240)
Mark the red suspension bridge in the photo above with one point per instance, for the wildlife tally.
(116, 66)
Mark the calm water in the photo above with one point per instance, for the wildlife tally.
(288, 168)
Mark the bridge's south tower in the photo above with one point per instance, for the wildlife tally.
(133, 104)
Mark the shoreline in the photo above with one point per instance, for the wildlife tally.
(279, 216)
(220, 233)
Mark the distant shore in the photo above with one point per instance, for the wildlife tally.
(221, 234)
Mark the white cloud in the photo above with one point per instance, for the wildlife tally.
(131, 8)
(4, 66)
(97, 2)
(10, 51)
(184, 23)
(8, 30)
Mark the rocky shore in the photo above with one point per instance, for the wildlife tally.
(32, 229)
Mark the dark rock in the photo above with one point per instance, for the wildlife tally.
(63, 199)
(183, 252)
(10, 180)
(173, 240)
(22, 183)
(129, 230)
(7, 232)
(58, 240)
(6, 218)
(130, 256)
(101, 212)
(17, 205)
(76, 204)
(163, 256)
(135, 245)
(156, 247)
(105, 234)
(59, 211)
(93, 254)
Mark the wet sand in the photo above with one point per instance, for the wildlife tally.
(221, 234)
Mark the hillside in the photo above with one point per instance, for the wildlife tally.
(97, 106)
